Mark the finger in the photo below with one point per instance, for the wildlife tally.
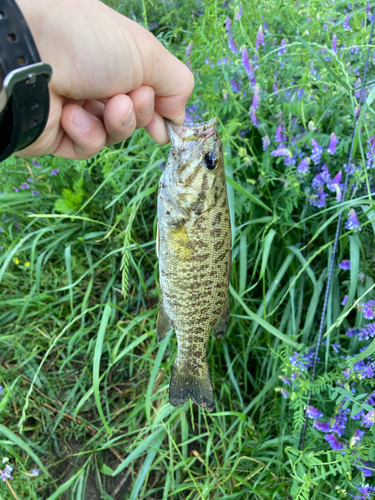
(172, 81)
(119, 119)
(143, 101)
(157, 130)
(85, 134)
(96, 108)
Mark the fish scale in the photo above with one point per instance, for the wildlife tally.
(194, 249)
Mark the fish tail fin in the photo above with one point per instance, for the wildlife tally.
(186, 384)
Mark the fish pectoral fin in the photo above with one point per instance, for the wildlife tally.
(219, 328)
(186, 384)
(164, 324)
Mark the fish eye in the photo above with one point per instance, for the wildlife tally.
(211, 160)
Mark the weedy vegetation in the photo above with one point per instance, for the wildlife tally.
(84, 402)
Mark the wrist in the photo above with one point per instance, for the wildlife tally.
(24, 97)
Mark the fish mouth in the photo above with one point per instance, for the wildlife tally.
(191, 131)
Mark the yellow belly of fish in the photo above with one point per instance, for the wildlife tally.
(180, 244)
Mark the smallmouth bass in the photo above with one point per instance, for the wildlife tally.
(194, 250)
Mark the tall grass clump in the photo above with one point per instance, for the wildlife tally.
(84, 384)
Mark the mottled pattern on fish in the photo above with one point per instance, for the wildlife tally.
(194, 248)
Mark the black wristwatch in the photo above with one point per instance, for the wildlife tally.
(24, 97)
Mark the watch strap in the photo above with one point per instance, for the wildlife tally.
(24, 98)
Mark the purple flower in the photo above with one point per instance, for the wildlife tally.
(279, 137)
(302, 362)
(365, 491)
(281, 151)
(335, 186)
(351, 332)
(30, 179)
(260, 38)
(266, 142)
(326, 176)
(303, 167)
(322, 426)
(346, 24)
(368, 309)
(356, 438)
(282, 49)
(369, 419)
(5, 474)
(255, 104)
(285, 379)
(35, 163)
(336, 347)
(334, 442)
(313, 412)
(239, 13)
(319, 199)
(345, 264)
(344, 300)
(334, 43)
(284, 393)
(371, 152)
(346, 374)
(236, 87)
(332, 144)
(55, 171)
(24, 185)
(317, 181)
(352, 222)
(247, 64)
(189, 48)
(316, 153)
(253, 117)
(35, 472)
(16, 189)
(231, 43)
(34, 191)
(339, 423)
(369, 15)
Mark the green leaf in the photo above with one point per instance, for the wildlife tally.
(154, 437)
(244, 191)
(63, 487)
(365, 107)
(267, 326)
(24, 446)
(267, 243)
(322, 62)
(96, 365)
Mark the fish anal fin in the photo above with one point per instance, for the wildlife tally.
(220, 327)
(195, 385)
(164, 325)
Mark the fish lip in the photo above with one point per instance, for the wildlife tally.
(173, 128)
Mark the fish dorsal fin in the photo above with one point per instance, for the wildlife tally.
(164, 325)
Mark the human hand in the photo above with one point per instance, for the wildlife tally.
(110, 76)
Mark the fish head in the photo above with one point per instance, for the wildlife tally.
(196, 165)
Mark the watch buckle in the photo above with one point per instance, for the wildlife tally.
(28, 74)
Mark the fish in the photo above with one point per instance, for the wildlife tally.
(194, 251)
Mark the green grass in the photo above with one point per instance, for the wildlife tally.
(85, 396)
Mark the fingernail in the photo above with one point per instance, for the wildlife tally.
(80, 118)
(128, 120)
(147, 108)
